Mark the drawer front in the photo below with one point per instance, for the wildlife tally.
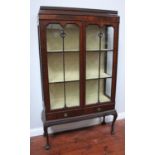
(63, 114)
(78, 112)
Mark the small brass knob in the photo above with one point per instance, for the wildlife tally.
(65, 114)
(98, 109)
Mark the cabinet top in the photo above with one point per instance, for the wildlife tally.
(46, 10)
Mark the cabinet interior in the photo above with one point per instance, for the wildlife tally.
(63, 55)
(56, 67)
(59, 99)
(54, 39)
(95, 95)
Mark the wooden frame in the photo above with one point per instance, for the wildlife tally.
(82, 18)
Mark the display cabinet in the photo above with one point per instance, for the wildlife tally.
(78, 57)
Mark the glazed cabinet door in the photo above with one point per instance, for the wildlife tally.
(99, 63)
(63, 52)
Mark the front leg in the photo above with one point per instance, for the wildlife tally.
(113, 122)
(45, 132)
(47, 146)
(103, 122)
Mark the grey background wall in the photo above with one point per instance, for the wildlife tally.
(35, 79)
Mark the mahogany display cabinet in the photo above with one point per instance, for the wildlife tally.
(78, 57)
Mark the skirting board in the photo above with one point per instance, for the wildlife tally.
(76, 125)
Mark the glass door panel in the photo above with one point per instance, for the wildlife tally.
(107, 34)
(63, 65)
(72, 37)
(91, 91)
(109, 37)
(56, 95)
(95, 94)
(99, 61)
(107, 88)
(72, 66)
(92, 39)
(53, 38)
(92, 65)
(72, 94)
(55, 67)
(108, 64)
(104, 90)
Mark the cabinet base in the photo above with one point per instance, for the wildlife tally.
(75, 119)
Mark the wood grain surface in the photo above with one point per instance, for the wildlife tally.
(95, 140)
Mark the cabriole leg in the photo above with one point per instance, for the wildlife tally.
(113, 122)
(47, 146)
(44, 131)
(103, 122)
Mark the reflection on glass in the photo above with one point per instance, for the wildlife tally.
(109, 63)
(108, 83)
(109, 37)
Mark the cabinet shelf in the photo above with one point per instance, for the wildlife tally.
(91, 75)
(76, 51)
(97, 50)
(56, 73)
(74, 78)
(92, 99)
(60, 51)
(52, 82)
